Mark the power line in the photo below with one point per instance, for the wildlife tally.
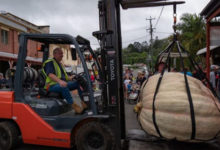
(134, 29)
(163, 32)
(94, 44)
(138, 38)
(134, 39)
(159, 17)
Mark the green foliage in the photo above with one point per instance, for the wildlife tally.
(134, 57)
(192, 32)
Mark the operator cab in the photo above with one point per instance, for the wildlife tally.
(41, 101)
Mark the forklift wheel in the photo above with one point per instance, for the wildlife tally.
(8, 135)
(94, 136)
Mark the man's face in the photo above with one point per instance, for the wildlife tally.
(1, 77)
(160, 68)
(58, 55)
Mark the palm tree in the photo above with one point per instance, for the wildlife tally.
(192, 32)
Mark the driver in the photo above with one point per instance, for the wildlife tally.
(58, 81)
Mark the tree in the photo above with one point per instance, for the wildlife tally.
(192, 32)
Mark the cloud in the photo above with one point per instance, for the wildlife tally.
(81, 17)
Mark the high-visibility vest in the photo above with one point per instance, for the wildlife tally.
(58, 73)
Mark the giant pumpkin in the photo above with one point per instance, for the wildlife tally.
(172, 109)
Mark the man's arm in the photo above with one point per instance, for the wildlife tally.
(56, 79)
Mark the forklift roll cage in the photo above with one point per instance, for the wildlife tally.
(46, 39)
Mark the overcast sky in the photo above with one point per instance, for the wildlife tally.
(81, 17)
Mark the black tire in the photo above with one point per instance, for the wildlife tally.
(94, 136)
(9, 135)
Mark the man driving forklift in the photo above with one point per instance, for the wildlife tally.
(58, 81)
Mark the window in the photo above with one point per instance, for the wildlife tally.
(4, 36)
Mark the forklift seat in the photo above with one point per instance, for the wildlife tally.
(42, 91)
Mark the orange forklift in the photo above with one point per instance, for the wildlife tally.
(43, 118)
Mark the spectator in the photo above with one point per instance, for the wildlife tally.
(218, 81)
(212, 77)
(128, 73)
(160, 67)
(92, 77)
(126, 83)
(2, 81)
(139, 78)
(187, 72)
(200, 75)
(129, 87)
(143, 77)
(173, 70)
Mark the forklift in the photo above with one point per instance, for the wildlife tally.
(39, 117)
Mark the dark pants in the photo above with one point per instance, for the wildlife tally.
(65, 91)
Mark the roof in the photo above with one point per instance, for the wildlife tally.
(19, 23)
(147, 3)
(50, 38)
(210, 8)
(174, 55)
(203, 50)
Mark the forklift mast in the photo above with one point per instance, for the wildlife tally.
(111, 54)
(111, 60)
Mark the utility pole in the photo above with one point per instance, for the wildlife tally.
(150, 53)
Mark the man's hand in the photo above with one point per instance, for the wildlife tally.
(70, 78)
(56, 79)
(62, 83)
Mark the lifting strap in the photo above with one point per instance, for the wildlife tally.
(192, 113)
(153, 114)
(156, 91)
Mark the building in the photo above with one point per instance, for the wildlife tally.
(10, 27)
(212, 13)
(214, 54)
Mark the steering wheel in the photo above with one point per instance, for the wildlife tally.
(82, 80)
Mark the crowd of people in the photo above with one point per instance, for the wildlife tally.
(132, 83)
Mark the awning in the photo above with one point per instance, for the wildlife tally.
(210, 8)
(202, 51)
(15, 56)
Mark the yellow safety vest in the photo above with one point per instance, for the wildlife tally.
(58, 73)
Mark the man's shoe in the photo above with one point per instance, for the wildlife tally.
(84, 106)
(77, 108)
